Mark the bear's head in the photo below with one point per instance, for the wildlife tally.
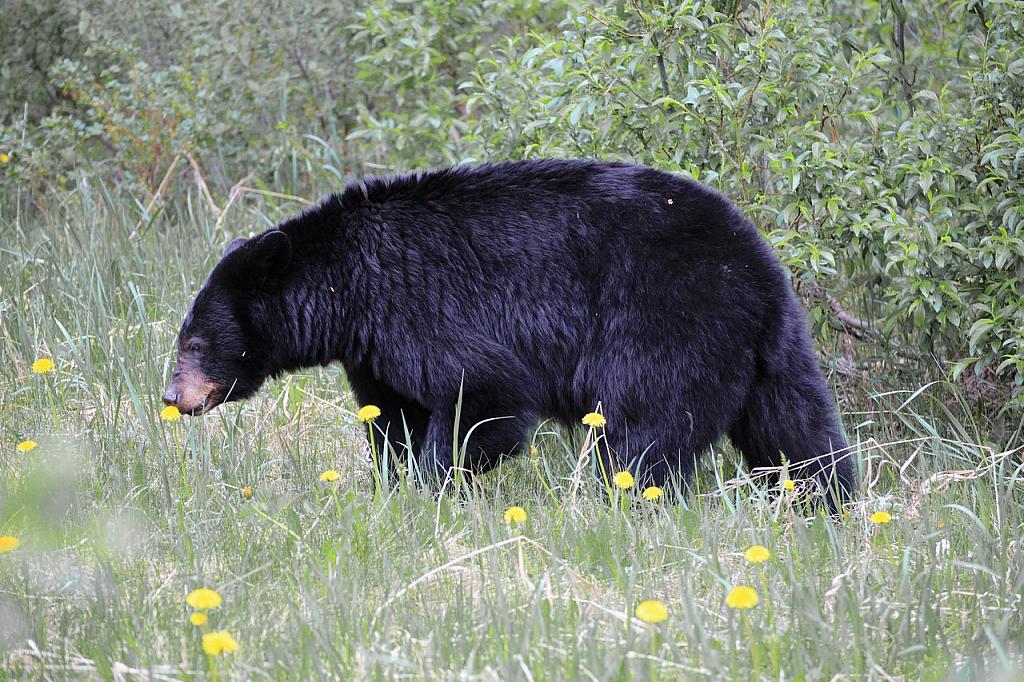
(223, 350)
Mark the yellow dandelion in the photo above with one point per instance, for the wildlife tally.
(367, 413)
(330, 476)
(651, 493)
(26, 446)
(757, 554)
(515, 515)
(170, 414)
(42, 366)
(197, 618)
(623, 480)
(220, 642)
(5, 158)
(246, 492)
(8, 543)
(203, 598)
(789, 484)
(741, 597)
(880, 517)
(651, 611)
(534, 452)
(594, 419)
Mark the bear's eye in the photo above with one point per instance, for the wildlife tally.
(195, 345)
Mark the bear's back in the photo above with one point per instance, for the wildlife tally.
(532, 252)
(540, 203)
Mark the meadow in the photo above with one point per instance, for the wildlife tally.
(119, 515)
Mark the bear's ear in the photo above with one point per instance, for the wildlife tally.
(254, 262)
(269, 253)
(233, 245)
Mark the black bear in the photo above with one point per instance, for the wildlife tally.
(520, 291)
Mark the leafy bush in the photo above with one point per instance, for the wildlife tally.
(878, 144)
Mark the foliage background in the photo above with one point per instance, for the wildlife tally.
(877, 143)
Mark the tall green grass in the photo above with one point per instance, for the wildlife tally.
(120, 515)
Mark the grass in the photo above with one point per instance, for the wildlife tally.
(120, 515)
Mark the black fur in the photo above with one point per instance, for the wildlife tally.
(536, 289)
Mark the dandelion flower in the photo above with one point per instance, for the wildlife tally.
(651, 493)
(220, 642)
(515, 515)
(8, 543)
(534, 452)
(5, 158)
(757, 554)
(623, 480)
(367, 413)
(880, 517)
(197, 618)
(741, 597)
(594, 419)
(247, 492)
(42, 366)
(651, 611)
(789, 484)
(203, 598)
(26, 446)
(170, 414)
(330, 476)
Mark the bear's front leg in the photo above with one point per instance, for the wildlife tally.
(401, 427)
(487, 430)
(486, 416)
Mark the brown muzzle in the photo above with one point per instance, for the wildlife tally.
(192, 393)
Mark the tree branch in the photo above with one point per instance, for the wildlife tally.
(856, 325)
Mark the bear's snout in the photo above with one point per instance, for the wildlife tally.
(192, 393)
(171, 396)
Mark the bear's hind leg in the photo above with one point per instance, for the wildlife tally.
(790, 413)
